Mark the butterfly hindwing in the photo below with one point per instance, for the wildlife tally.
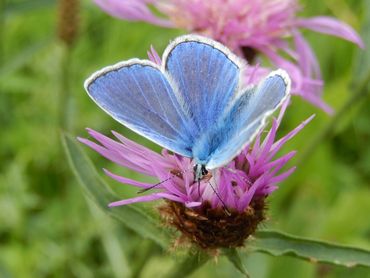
(138, 94)
(246, 116)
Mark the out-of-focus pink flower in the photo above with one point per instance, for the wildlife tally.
(254, 173)
(250, 28)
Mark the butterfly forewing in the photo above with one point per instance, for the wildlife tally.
(137, 94)
(206, 75)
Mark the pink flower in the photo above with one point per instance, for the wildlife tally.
(250, 28)
(220, 212)
(254, 173)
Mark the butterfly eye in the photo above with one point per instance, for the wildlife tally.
(195, 168)
(204, 170)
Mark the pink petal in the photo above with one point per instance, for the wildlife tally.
(282, 110)
(146, 198)
(267, 143)
(127, 180)
(282, 176)
(193, 204)
(317, 101)
(306, 58)
(131, 10)
(153, 56)
(331, 26)
(280, 161)
(113, 156)
(245, 200)
(278, 144)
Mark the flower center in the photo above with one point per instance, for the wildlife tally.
(211, 228)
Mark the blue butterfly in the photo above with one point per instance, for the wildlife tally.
(193, 104)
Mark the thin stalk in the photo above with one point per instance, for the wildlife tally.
(64, 88)
(67, 30)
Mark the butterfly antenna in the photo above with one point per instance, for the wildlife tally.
(155, 185)
(228, 213)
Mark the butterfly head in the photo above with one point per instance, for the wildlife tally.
(200, 171)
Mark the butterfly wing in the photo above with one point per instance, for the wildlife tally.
(246, 116)
(206, 74)
(138, 94)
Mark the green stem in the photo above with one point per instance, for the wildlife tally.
(63, 106)
(64, 89)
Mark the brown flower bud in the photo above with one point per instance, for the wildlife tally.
(68, 21)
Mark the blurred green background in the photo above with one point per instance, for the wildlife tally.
(47, 229)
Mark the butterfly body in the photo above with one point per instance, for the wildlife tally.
(200, 172)
(193, 104)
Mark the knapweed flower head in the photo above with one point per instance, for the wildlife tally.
(221, 211)
(250, 28)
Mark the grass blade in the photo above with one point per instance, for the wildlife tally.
(131, 216)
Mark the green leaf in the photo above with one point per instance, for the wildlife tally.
(281, 244)
(233, 255)
(110, 241)
(131, 216)
(190, 264)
